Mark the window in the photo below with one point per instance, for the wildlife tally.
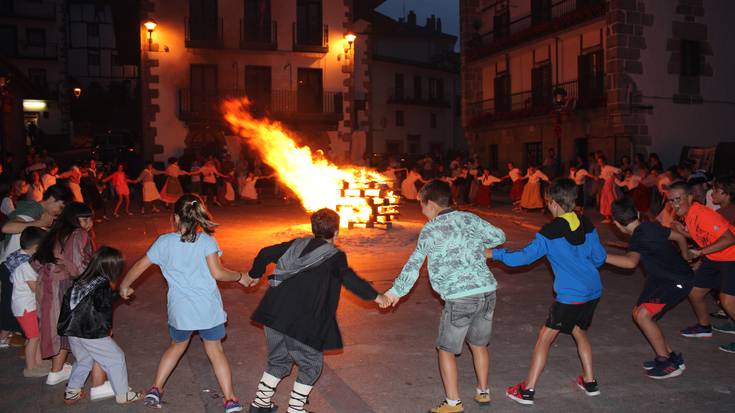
(8, 40)
(398, 86)
(257, 27)
(37, 77)
(436, 89)
(540, 11)
(36, 37)
(534, 156)
(258, 87)
(309, 22)
(414, 143)
(114, 59)
(591, 77)
(394, 147)
(494, 157)
(432, 120)
(93, 29)
(501, 24)
(502, 93)
(204, 95)
(93, 59)
(691, 56)
(310, 91)
(417, 87)
(203, 21)
(541, 85)
(399, 118)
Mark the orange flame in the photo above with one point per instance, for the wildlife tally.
(315, 181)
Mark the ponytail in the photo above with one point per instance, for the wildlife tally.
(192, 215)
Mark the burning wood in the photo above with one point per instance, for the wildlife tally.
(359, 195)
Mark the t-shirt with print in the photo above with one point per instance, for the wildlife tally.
(660, 257)
(194, 301)
(706, 226)
(23, 299)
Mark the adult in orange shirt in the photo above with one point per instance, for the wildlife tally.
(715, 237)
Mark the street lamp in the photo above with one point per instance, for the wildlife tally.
(77, 92)
(350, 37)
(150, 25)
(560, 100)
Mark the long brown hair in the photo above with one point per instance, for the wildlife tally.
(193, 216)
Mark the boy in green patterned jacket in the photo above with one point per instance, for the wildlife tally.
(455, 243)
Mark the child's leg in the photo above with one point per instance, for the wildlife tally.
(221, 367)
(82, 365)
(111, 359)
(279, 365)
(168, 362)
(481, 361)
(98, 375)
(32, 354)
(448, 371)
(696, 299)
(651, 331)
(127, 203)
(584, 348)
(727, 302)
(57, 361)
(311, 363)
(119, 202)
(540, 353)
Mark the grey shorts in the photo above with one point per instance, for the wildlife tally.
(466, 319)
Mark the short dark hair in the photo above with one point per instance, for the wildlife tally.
(681, 185)
(324, 223)
(563, 191)
(59, 193)
(727, 185)
(624, 211)
(438, 191)
(30, 237)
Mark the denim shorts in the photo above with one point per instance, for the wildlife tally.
(215, 333)
(466, 319)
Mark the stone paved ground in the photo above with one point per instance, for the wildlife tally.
(389, 364)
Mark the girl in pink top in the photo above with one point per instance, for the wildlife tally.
(119, 183)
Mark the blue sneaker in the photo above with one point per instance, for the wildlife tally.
(697, 331)
(665, 369)
(676, 358)
(232, 406)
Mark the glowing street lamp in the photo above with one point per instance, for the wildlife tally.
(77, 92)
(150, 25)
(350, 37)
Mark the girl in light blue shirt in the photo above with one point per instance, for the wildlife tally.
(189, 260)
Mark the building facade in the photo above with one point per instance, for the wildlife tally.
(288, 56)
(408, 73)
(619, 76)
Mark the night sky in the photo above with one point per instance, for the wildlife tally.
(447, 10)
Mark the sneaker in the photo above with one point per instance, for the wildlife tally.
(72, 396)
(444, 407)
(727, 328)
(665, 369)
(232, 406)
(35, 372)
(56, 377)
(591, 387)
(728, 348)
(520, 393)
(103, 391)
(256, 409)
(128, 397)
(482, 398)
(153, 397)
(5, 342)
(719, 314)
(697, 331)
(676, 358)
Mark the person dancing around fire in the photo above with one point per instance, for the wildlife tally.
(119, 183)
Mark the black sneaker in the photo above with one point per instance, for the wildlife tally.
(272, 409)
(591, 388)
(697, 331)
(665, 369)
(676, 358)
(520, 393)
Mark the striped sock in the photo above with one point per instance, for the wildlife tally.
(266, 390)
(299, 397)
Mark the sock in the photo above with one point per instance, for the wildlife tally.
(299, 397)
(479, 390)
(453, 402)
(266, 390)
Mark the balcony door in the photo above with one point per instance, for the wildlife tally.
(204, 95)
(309, 22)
(257, 20)
(310, 91)
(591, 77)
(8, 41)
(540, 11)
(541, 86)
(502, 93)
(258, 88)
(203, 20)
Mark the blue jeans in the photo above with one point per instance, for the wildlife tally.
(215, 333)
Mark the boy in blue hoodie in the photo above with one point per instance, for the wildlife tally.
(573, 248)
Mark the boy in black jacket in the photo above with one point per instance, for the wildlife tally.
(298, 312)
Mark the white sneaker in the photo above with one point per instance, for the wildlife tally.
(56, 377)
(4, 342)
(103, 391)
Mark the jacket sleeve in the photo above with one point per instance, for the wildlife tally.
(598, 253)
(267, 255)
(529, 254)
(410, 272)
(491, 235)
(352, 281)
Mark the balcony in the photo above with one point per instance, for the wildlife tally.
(527, 103)
(203, 34)
(259, 39)
(48, 51)
(32, 10)
(284, 105)
(563, 14)
(398, 96)
(310, 41)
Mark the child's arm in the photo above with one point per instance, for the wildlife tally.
(630, 260)
(353, 282)
(32, 285)
(410, 272)
(221, 273)
(267, 255)
(726, 240)
(529, 254)
(491, 235)
(133, 273)
(681, 241)
(598, 253)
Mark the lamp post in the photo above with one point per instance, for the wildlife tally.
(150, 25)
(350, 39)
(560, 100)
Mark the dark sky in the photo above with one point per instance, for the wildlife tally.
(447, 10)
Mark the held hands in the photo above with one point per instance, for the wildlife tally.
(246, 281)
(386, 300)
(489, 253)
(126, 293)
